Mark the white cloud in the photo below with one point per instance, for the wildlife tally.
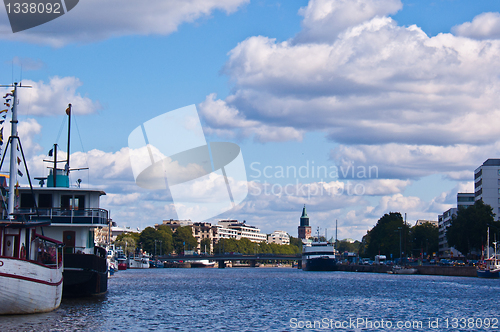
(403, 161)
(224, 120)
(324, 19)
(483, 26)
(53, 97)
(94, 20)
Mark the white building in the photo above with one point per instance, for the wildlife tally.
(445, 220)
(465, 199)
(487, 184)
(237, 230)
(279, 237)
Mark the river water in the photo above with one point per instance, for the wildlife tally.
(274, 299)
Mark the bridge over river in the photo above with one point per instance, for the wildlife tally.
(222, 258)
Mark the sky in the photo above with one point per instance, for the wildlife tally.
(353, 108)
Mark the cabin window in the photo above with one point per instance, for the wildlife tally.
(44, 200)
(79, 202)
(27, 201)
(73, 202)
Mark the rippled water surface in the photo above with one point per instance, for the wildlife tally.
(273, 299)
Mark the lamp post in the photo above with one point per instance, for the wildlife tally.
(400, 252)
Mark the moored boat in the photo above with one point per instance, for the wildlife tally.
(138, 261)
(202, 263)
(402, 270)
(490, 267)
(318, 256)
(30, 263)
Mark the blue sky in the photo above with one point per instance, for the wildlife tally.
(407, 87)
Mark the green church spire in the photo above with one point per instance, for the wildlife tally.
(304, 219)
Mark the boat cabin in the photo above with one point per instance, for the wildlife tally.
(73, 213)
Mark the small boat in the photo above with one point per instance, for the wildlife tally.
(202, 263)
(121, 259)
(490, 267)
(30, 263)
(138, 261)
(403, 270)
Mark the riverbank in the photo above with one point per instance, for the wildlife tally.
(450, 271)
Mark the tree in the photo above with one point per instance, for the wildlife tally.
(183, 238)
(469, 226)
(343, 246)
(152, 239)
(167, 240)
(133, 235)
(425, 238)
(127, 243)
(384, 238)
(205, 245)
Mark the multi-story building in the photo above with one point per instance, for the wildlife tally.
(278, 237)
(239, 230)
(465, 199)
(444, 221)
(304, 228)
(226, 229)
(487, 184)
(201, 231)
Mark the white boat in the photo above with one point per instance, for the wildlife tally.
(402, 270)
(30, 264)
(138, 261)
(490, 267)
(318, 256)
(202, 263)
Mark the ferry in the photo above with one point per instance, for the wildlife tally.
(318, 256)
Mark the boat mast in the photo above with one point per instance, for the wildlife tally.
(68, 112)
(13, 156)
(488, 244)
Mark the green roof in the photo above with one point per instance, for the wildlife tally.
(304, 213)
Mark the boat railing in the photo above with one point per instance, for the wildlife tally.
(94, 216)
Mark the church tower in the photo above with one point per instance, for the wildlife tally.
(304, 228)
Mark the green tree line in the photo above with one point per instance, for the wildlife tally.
(168, 242)
(392, 236)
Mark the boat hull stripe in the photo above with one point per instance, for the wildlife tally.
(8, 275)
